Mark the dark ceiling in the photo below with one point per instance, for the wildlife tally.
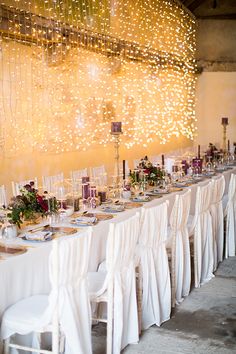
(212, 9)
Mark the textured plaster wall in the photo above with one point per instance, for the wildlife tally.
(216, 85)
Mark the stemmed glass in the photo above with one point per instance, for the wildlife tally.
(209, 164)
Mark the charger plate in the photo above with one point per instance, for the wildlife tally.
(11, 250)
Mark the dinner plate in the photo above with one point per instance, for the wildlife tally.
(113, 208)
(141, 199)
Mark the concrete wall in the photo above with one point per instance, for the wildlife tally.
(216, 85)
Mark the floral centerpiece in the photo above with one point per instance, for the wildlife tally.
(30, 205)
(145, 169)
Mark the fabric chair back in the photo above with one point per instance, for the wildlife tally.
(156, 300)
(99, 175)
(203, 237)
(120, 257)
(230, 246)
(3, 198)
(50, 182)
(17, 186)
(68, 299)
(76, 175)
(180, 257)
(217, 215)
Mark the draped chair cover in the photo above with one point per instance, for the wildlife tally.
(68, 296)
(3, 198)
(100, 175)
(156, 299)
(49, 182)
(78, 174)
(230, 212)
(117, 284)
(217, 215)
(201, 228)
(181, 265)
(120, 257)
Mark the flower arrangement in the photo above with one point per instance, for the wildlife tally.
(145, 168)
(29, 205)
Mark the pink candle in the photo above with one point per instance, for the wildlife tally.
(224, 121)
(116, 127)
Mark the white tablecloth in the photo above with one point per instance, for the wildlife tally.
(27, 274)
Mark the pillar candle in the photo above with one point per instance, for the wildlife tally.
(228, 145)
(224, 121)
(116, 127)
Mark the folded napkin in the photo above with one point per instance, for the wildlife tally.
(38, 236)
(85, 220)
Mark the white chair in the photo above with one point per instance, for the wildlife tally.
(117, 286)
(66, 309)
(3, 198)
(50, 182)
(18, 186)
(78, 174)
(156, 298)
(127, 170)
(201, 229)
(178, 244)
(99, 175)
(217, 215)
(230, 213)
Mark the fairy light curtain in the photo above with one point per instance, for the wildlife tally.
(70, 67)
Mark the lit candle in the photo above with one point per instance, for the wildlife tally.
(116, 127)
(199, 152)
(224, 121)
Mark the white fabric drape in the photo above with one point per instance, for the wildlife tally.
(156, 300)
(180, 245)
(68, 296)
(230, 212)
(217, 215)
(203, 238)
(120, 258)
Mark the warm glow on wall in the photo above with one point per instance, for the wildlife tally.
(69, 68)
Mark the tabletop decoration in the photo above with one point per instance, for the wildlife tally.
(146, 170)
(224, 122)
(116, 131)
(30, 205)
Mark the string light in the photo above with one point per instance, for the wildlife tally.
(70, 67)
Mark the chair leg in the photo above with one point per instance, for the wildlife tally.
(109, 320)
(6, 343)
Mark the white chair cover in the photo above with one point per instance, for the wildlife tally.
(120, 264)
(3, 198)
(49, 182)
(78, 174)
(230, 212)
(69, 292)
(99, 174)
(169, 163)
(17, 186)
(181, 264)
(201, 228)
(217, 215)
(156, 299)
(155, 159)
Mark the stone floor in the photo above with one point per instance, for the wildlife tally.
(205, 323)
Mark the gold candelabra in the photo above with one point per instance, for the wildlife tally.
(224, 124)
(116, 136)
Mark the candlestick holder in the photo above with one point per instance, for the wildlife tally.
(224, 124)
(116, 136)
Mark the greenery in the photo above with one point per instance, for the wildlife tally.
(29, 205)
(145, 167)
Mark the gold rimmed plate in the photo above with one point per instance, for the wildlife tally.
(11, 250)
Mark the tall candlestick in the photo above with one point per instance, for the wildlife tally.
(199, 152)
(124, 169)
(116, 132)
(224, 122)
(163, 160)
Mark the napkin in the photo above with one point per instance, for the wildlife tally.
(38, 236)
(85, 220)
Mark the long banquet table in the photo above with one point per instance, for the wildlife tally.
(27, 274)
